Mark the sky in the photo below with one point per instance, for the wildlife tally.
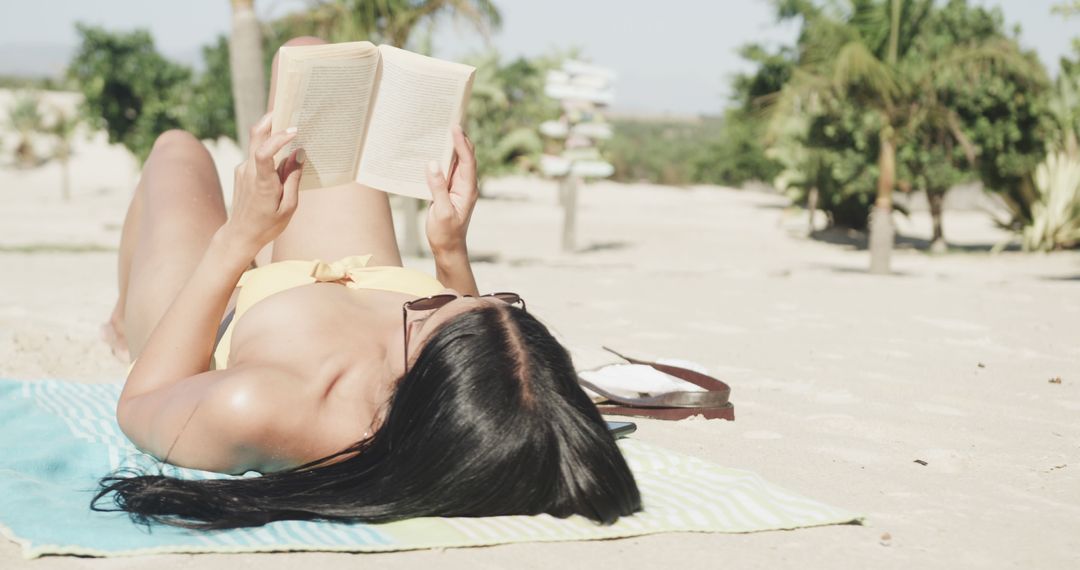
(671, 57)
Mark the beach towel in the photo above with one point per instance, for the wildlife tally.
(58, 438)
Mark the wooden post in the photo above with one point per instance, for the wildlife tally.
(569, 196)
(582, 89)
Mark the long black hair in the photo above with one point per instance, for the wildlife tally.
(489, 420)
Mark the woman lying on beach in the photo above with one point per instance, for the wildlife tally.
(363, 391)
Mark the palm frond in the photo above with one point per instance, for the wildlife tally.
(1055, 219)
(871, 19)
(998, 52)
(481, 14)
(822, 40)
(914, 15)
(857, 66)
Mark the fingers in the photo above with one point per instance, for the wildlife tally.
(463, 147)
(437, 184)
(259, 133)
(290, 194)
(265, 152)
(292, 162)
(464, 167)
(453, 167)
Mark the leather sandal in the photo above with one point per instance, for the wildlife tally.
(713, 403)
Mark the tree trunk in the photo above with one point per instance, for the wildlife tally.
(881, 229)
(937, 200)
(246, 67)
(894, 33)
(811, 205)
(569, 196)
(413, 209)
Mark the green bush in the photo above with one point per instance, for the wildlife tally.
(130, 90)
(1055, 220)
(209, 112)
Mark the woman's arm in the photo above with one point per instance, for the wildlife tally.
(448, 217)
(181, 343)
(453, 270)
(227, 414)
(264, 200)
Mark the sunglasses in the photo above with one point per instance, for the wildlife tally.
(436, 302)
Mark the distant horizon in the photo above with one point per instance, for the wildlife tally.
(668, 63)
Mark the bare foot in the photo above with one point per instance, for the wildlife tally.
(112, 332)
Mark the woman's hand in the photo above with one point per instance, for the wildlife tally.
(452, 203)
(264, 197)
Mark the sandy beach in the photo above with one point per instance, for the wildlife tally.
(922, 400)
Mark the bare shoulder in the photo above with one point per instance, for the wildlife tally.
(228, 421)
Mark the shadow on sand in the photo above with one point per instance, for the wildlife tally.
(849, 270)
(604, 246)
(484, 257)
(858, 240)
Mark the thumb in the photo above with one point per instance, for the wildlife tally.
(291, 186)
(440, 193)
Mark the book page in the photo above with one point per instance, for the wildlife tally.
(419, 98)
(328, 97)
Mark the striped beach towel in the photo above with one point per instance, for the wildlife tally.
(58, 438)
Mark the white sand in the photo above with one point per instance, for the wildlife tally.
(841, 380)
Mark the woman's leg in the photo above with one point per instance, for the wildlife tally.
(113, 330)
(175, 210)
(335, 222)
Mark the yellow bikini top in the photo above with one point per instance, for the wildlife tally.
(353, 272)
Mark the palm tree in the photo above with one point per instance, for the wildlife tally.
(865, 57)
(246, 64)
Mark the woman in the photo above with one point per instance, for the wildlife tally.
(362, 390)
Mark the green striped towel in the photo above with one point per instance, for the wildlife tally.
(59, 437)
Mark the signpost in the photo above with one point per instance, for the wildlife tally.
(583, 90)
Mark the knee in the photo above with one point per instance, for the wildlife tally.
(176, 146)
(175, 139)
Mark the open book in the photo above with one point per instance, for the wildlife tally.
(376, 115)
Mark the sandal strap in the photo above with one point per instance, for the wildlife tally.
(697, 378)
